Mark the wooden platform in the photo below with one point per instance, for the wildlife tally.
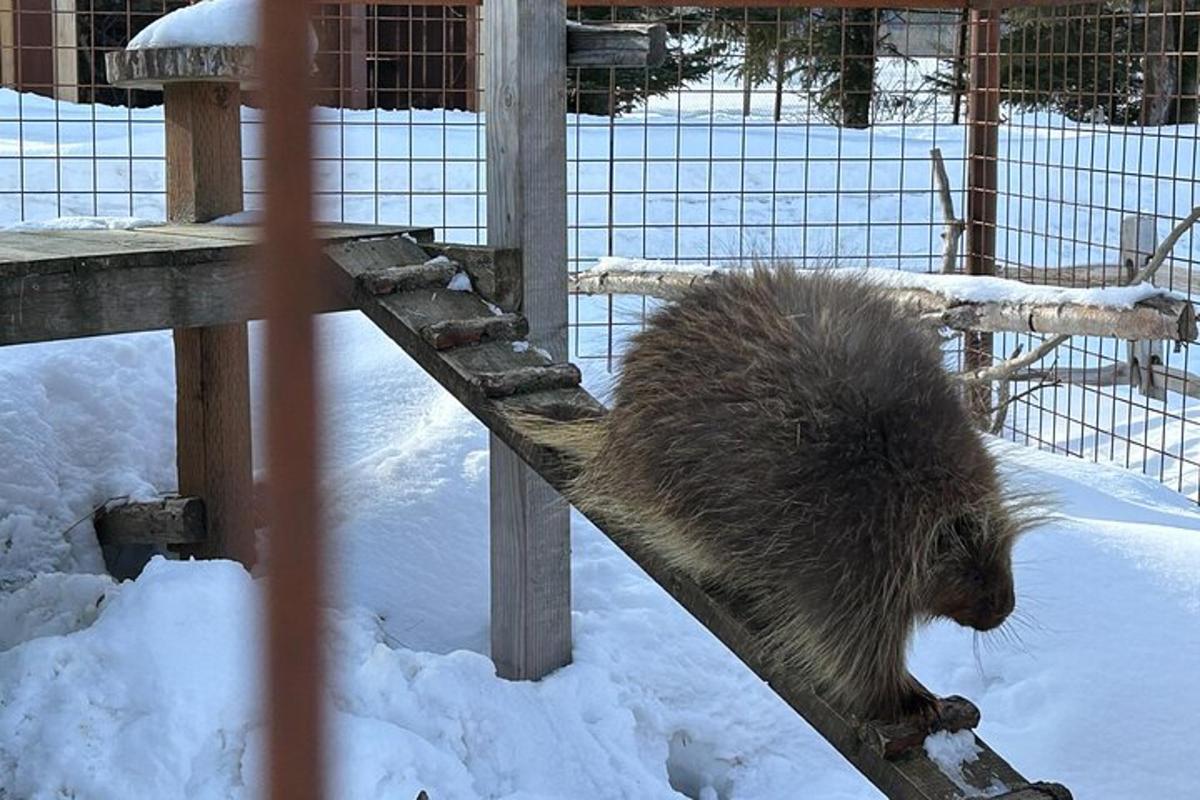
(61, 284)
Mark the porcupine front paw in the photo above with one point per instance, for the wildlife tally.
(918, 707)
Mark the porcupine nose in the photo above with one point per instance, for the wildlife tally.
(992, 612)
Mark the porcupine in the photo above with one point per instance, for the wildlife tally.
(796, 445)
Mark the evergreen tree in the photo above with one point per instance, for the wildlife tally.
(832, 52)
(1080, 61)
(1108, 62)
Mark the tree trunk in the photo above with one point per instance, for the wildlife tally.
(1160, 64)
(857, 85)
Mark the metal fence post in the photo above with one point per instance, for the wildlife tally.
(983, 136)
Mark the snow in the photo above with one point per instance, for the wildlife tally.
(461, 282)
(240, 218)
(149, 688)
(84, 224)
(972, 288)
(231, 23)
(950, 751)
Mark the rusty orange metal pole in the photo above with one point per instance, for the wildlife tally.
(290, 259)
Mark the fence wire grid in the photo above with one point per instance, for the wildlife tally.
(770, 132)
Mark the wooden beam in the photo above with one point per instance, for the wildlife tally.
(8, 45)
(616, 45)
(167, 522)
(525, 48)
(70, 284)
(495, 272)
(911, 776)
(66, 52)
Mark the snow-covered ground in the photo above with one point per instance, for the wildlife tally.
(148, 689)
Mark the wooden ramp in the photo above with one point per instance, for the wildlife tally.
(66, 284)
(474, 348)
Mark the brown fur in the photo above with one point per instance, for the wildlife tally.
(797, 446)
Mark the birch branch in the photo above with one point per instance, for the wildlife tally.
(1160, 316)
(1164, 249)
(954, 226)
(1005, 370)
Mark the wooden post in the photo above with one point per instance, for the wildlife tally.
(354, 55)
(212, 365)
(1139, 240)
(983, 137)
(66, 51)
(525, 48)
(8, 42)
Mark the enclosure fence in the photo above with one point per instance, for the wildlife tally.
(770, 132)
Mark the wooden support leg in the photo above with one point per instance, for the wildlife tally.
(212, 365)
(531, 570)
(212, 369)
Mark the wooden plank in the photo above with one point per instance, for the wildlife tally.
(170, 521)
(435, 274)
(616, 45)
(66, 52)
(911, 776)
(132, 281)
(525, 46)
(8, 42)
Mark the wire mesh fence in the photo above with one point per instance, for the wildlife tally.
(770, 132)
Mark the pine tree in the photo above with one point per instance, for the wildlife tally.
(1080, 61)
(832, 52)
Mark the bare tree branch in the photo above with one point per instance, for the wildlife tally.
(955, 227)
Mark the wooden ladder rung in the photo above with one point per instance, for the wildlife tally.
(526, 380)
(435, 274)
(450, 333)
